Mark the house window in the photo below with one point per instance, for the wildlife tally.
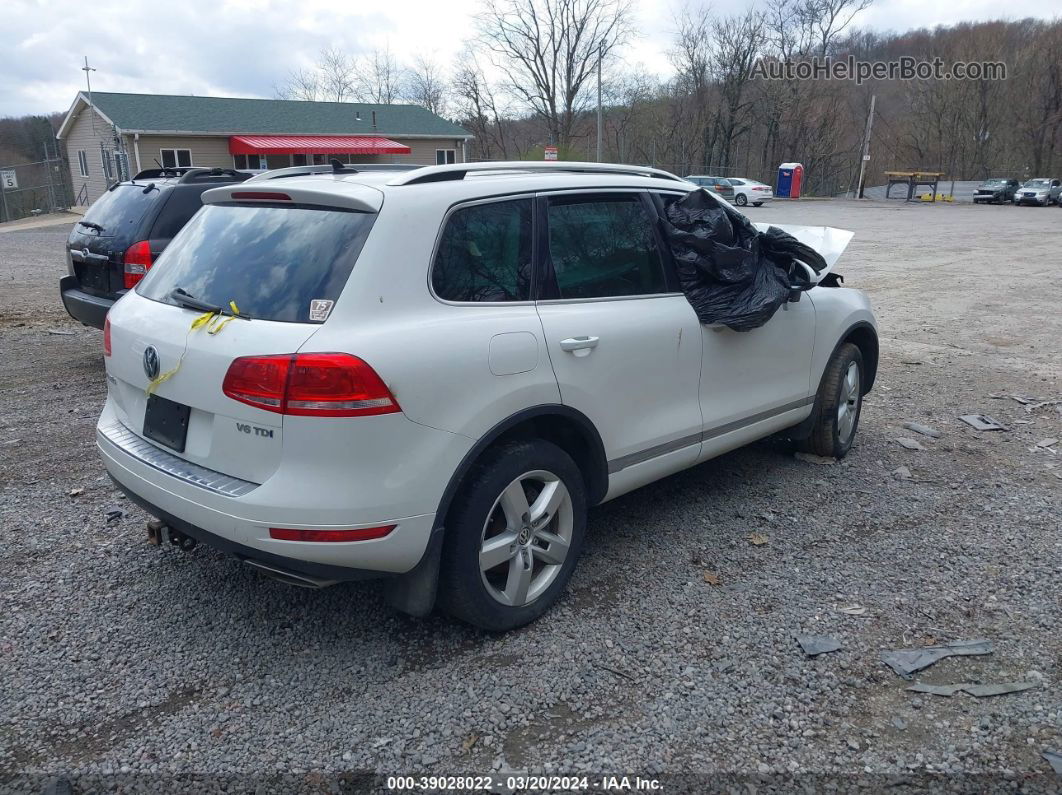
(298, 160)
(176, 157)
(445, 156)
(82, 162)
(105, 159)
(249, 162)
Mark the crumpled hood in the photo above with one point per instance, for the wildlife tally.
(829, 241)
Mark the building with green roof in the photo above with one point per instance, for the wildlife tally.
(111, 136)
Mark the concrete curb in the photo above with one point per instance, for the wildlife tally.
(53, 219)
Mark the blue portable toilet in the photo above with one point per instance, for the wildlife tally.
(790, 177)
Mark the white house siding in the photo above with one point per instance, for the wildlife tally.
(207, 151)
(81, 136)
(423, 150)
(213, 151)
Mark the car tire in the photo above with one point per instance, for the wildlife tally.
(534, 561)
(839, 403)
(741, 200)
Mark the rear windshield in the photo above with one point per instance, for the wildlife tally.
(120, 209)
(275, 263)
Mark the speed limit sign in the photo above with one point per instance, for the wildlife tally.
(9, 179)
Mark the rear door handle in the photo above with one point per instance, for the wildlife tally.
(578, 343)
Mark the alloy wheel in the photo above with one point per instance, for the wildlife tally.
(526, 538)
(848, 403)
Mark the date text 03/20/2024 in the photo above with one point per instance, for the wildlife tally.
(518, 783)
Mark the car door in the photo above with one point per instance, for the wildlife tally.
(755, 380)
(624, 343)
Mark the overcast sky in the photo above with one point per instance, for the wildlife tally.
(246, 47)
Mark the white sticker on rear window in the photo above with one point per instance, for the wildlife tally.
(320, 309)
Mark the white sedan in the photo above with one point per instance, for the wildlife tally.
(749, 191)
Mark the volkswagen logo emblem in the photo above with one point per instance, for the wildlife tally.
(151, 362)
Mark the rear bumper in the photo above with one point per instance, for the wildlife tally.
(83, 307)
(240, 524)
(279, 563)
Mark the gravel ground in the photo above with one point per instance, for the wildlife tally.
(126, 667)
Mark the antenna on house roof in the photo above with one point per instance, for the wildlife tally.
(374, 120)
(88, 84)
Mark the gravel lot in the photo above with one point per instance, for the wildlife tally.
(124, 666)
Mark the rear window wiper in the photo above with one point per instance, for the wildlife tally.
(189, 301)
(90, 225)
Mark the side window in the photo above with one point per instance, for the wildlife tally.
(603, 247)
(182, 203)
(444, 157)
(485, 253)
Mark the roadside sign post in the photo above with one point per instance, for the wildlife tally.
(8, 181)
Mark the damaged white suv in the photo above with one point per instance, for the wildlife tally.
(431, 375)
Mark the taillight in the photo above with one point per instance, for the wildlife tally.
(137, 259)
(360, 534)
(107, 336)
(309, 385)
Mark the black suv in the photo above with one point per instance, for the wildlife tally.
(125, 230)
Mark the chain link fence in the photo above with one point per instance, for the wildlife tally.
(29, 189)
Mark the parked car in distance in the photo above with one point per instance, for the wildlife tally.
(125, 230)
(996, 191)
(432, 375)
(718, 185)
(749, 191)
(1041, 191)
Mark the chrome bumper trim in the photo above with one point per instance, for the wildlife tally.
(146, 453)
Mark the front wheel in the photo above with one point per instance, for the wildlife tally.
(839, 402)
(741, 200)
(514, 536)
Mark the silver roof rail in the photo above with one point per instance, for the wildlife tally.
(459, 171)
(291, 171)
(328, 168)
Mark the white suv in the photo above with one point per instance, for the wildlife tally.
(431, 375)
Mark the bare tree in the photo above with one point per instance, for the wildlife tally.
(823, 20)
(548, 50)
(336, 75)
(479, 109)
(426, 85)
(304, 84)
(378, 78)
(330, 79)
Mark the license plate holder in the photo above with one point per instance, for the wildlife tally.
(166, 422)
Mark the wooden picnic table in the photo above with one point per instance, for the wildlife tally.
(913, 180)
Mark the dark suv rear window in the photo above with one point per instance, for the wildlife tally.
(120, 210)
(275, 263)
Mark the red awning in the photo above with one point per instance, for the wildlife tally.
(315, 145)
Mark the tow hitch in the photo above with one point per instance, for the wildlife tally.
(158, 531)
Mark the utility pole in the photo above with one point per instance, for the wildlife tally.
(599, 124)
(866, 147)
(88, 84)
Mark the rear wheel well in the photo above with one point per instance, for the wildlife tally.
(865, 338)
(571, 437)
